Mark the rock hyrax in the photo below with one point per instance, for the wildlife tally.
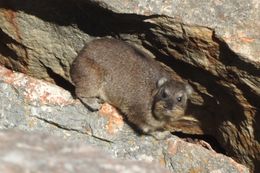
(127, 78)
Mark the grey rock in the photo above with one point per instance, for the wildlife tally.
(236, 21)
(213, 44)
(22, 152)
(30, 104)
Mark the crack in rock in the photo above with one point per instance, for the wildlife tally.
(72, 129)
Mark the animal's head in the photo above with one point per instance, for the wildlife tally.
(170, 100)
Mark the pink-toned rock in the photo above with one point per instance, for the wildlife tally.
(212, 44)
(35, 90)
(115, 120)
(76, 124)
(33, 152)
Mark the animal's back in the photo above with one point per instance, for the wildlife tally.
(129, 74)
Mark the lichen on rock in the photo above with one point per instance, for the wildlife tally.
(212, 44)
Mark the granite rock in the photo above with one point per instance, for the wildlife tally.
(22, 152)
(29, 104)
(212, 44)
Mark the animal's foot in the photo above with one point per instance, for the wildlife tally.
(93, 104)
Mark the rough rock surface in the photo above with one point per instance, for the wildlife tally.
(213, 44)
(27, 152)
(33, 105)
(236, 21)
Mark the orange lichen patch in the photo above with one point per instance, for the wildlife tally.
(115, 120)
(36, 90)
(162, 161)
(46, 93)
(172, 147)
(198, 170)
(240, 36)
(10, 16)
(247, 39)
(44, 97)
(6, 75)
(16, 43)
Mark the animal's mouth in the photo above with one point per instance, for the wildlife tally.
(176, 112)
(178, 116)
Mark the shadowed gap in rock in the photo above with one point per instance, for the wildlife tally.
(60, 81)
(90, 17)
(10, 53)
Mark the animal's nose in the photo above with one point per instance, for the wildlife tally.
(169, 105)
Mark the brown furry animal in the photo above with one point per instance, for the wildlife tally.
(130, 80)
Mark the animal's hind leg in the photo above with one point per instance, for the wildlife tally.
(87, 77)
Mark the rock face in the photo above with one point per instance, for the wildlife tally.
(33, 105)
(213, 44)
(25, 152)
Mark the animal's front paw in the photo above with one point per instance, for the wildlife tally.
(93, 104)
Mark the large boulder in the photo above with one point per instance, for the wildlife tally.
(29, 104)
(212, 44)
(35, 152)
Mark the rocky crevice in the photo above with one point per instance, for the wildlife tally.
(226, 102)
(44, 107)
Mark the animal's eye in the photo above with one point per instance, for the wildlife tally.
(179, 99)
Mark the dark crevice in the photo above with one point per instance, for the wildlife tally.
(256, 126)
(230, 58)
(4, 49)
(10, 53)
(93, 19)
(89, 16)
(256, 163)
(59, 80)
(207, 138)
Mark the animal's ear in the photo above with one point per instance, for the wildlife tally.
(161, 81)
(189, 89)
